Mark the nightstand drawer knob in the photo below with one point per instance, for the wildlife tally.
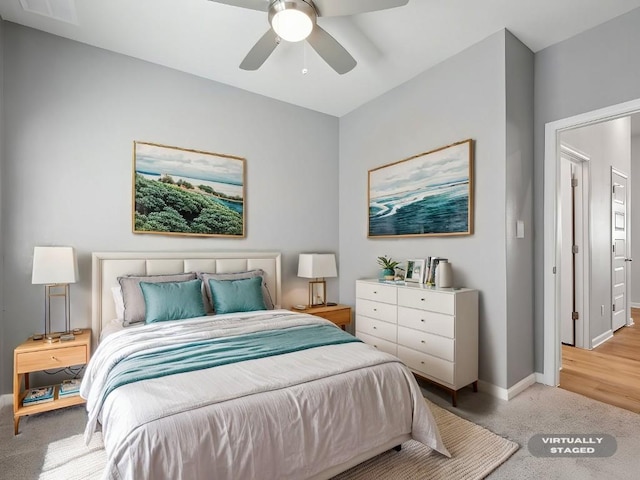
(422, 320)
(422, 299)
(422, 362)
(53, 357)
(422, 341)
(375, 328)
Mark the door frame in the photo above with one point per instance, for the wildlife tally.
(551, 321)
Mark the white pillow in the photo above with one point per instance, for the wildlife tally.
(118, 300)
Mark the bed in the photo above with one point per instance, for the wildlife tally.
(262, 393)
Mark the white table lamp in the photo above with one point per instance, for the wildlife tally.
(317, 266)
(55, 268)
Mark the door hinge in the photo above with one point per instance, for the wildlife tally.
(574, 249)
(574, 182)
(575, 316)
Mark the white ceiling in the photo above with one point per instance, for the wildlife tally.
(391, 46)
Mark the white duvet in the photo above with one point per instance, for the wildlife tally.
(289, 416)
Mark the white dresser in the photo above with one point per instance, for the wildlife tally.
(434, 331)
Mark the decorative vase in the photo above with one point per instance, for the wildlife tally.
(388, 273)
(445, 274)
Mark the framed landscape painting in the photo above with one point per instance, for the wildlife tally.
(178, 191)
(428, 194)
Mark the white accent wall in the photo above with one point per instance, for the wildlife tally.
(71, 114)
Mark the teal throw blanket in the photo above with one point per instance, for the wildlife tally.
(221, 351)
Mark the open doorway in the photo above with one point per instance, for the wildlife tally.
(598, 272)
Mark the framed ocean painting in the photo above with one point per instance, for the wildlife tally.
(178, 191)
(428, 194)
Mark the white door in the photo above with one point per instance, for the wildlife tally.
(619, 256)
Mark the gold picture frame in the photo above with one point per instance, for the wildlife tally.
(429, 194)
(180, 191)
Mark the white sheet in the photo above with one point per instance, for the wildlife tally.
(285, 417)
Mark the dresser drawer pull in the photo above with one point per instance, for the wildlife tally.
(422, 320)
(422, 299)
(375, 309)
(422, 362)
(53, 357)
(375, 328)
(422, 341)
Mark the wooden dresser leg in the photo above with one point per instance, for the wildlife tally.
(475, 386)
(16, 424)
(454, 398)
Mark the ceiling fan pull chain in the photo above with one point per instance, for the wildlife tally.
(305, 70)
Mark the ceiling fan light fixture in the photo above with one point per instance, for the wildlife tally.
(292, 21)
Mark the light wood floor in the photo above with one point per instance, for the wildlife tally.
(609, 373)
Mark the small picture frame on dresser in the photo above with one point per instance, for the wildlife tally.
(415, 271)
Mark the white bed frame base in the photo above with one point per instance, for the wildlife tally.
(108, 266)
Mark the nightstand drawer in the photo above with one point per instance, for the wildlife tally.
(339, 317)
(51, 358)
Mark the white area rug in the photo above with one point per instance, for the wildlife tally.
(475, 451)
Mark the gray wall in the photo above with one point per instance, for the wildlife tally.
(519, 207)
(635, 216)
(593, 70)
(463, 97)
(71, 115)
(607, 145)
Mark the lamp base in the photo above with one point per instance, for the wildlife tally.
(66, 337)
(331, 304)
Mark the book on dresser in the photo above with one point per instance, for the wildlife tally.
(38, 395)
(69, 388)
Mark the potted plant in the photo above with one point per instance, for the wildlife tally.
(388, 267)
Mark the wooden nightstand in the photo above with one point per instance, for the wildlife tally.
(338, 314)
(36, 355)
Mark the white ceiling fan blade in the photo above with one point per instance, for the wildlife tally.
(335, 8)
(331, 51)
(261, 5)
(260, 51)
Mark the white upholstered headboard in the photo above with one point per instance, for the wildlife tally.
(108, 266)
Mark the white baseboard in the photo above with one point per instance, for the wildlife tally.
(634, 305)
(508, 393)
(600, 339)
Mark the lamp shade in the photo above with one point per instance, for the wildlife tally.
(317, 265)
(52, 265)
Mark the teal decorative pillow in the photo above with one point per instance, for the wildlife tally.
(172, 300)
(230, 296)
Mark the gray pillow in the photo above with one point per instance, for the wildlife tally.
(134, 307)
(205, 277)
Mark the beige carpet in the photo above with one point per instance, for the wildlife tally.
(475, 452)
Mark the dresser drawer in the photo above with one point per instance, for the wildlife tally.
(380, 344)
(376, 292)
(427, 300)
(51, 359)
(377, 328)
(381, 311)
(435, 345)
(427, 321)
(432, 367)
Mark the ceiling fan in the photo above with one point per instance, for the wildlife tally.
(295, 20)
